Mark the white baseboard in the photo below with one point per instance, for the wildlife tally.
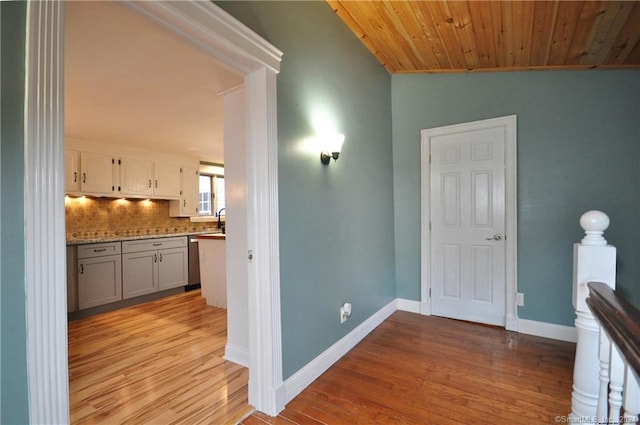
(547, 330)
(236, 354)
(309, 373)
(408, 305)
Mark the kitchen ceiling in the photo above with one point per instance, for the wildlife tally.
(461, 36)
(130, 81)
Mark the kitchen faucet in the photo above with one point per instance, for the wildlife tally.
(218, 214)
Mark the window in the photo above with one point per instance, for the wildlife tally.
(211, 194)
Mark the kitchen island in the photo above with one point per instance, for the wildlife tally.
(213, 268)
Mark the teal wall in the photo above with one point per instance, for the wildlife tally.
(13, 383)
(578, 149)
(336, 221)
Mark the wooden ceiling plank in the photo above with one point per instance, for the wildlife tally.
(472, 35)
(588, 15)
(366, 17)
(565, 28)
(496, 27)
(430, 29)
(352, 24)
(627, 39)
(605, 31)
(378, 18)
(633, 59)
(544, 19)
(481, 18)
(445, 24)
(465, 32)
(523, 13)
(507, 33)
(399, 20)
(421, 34)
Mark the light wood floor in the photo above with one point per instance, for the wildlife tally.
(427, 370)
(156, 363)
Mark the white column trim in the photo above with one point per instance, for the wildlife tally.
(511, 269)
(263, 241)
(219, 34)
(45, 269)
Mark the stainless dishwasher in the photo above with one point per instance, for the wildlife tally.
(193, 281)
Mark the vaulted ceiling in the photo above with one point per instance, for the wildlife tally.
(460, 36)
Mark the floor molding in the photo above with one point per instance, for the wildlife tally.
(235, 354)
(547, 330)
(309, 373)
(408, 305)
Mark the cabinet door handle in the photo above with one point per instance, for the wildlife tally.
(161, 257)
(75, 176)
(149, 183)
(84, 177)
(81, 268)
(157, 244)
(100, 250)
(155, 258)
(184, 203)
(156, 183)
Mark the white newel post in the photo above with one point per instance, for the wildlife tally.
(593, 261)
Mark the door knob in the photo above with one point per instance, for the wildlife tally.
(495, 237)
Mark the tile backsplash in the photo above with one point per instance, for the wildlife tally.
(91, 218)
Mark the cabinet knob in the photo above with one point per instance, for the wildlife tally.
(250, 256)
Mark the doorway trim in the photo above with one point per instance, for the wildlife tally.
(509, 123)
(216, 32)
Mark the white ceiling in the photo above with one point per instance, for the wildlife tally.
(129, 81)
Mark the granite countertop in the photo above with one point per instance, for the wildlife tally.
(114, 238)
(213, 235)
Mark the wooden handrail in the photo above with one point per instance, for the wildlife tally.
(620, 320)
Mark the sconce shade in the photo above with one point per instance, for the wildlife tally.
(331, 147)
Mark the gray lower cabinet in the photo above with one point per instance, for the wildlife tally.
(99, 274)
(153, 265)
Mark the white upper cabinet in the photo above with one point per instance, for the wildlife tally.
(98, 174)
(190, 191)
(136, 177)
(99, 169)
(189, 201)
(71, 171)
(166, 184)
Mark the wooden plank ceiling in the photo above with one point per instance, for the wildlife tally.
(460, 36)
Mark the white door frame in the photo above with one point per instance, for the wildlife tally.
(216, 32)
(510, 124)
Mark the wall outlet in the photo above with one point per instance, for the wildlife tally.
(520, 299)
(345, 312)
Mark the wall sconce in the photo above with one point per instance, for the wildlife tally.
(331, 147)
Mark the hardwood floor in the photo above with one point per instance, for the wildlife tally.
(428, 370)
(156, 363)
(161, 363)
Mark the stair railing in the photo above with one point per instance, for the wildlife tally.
(605, 375)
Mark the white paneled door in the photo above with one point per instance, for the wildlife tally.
(468, 225)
